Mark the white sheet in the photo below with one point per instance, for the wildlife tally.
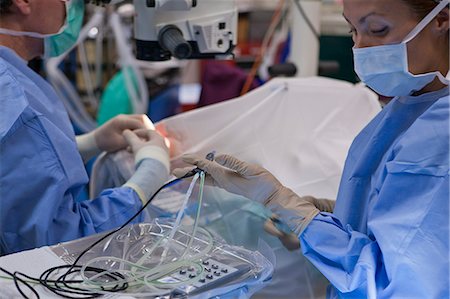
(299, 129)
(30, 262)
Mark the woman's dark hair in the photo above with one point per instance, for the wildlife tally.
(4, 5)
(421, 7)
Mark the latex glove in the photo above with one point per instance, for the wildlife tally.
(151, 157)
(256, 183)
(322, 204)
(146, 144)
(108, 137)
(273, 227)
(235, 176)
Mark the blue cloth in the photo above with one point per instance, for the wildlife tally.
(164, 104)
(389, 234)
(41, 170)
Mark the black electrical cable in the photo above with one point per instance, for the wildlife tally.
(191, 173)
(45, 275)
(52, 285)
(16, 280)
(305, 17)
(61, 286)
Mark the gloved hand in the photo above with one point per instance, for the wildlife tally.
(235, 176)
(108, 137)
(256, 183)
(322, 204)
(151, 157)
(147, 144)
(292, 202)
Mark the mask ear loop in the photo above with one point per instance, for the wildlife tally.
(37, 34)
(425, 21)
(422, 24)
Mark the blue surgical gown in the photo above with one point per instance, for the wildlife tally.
(388, 236)
(41, 170)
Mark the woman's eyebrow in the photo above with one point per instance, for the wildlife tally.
(361, 20)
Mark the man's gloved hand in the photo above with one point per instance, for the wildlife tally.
(147, 144)
(151, 157)
(108, 137)
(256, 183)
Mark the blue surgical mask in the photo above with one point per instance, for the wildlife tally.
(385, 68)
(57, 43)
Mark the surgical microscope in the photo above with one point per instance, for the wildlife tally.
(184, 29)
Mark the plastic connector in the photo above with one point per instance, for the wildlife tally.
(209, 156)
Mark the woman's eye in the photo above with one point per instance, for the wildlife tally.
(379, 31)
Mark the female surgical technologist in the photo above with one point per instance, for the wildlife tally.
(41, 169)
(388, 234)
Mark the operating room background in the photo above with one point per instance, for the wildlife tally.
(197, 78)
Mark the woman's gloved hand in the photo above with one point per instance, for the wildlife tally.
(322, 204)
(256, 183)
(108, 137)
(235, 176)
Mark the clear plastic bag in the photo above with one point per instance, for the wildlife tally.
(154, 267)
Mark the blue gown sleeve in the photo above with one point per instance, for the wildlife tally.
(405, 251)
(41, 175)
